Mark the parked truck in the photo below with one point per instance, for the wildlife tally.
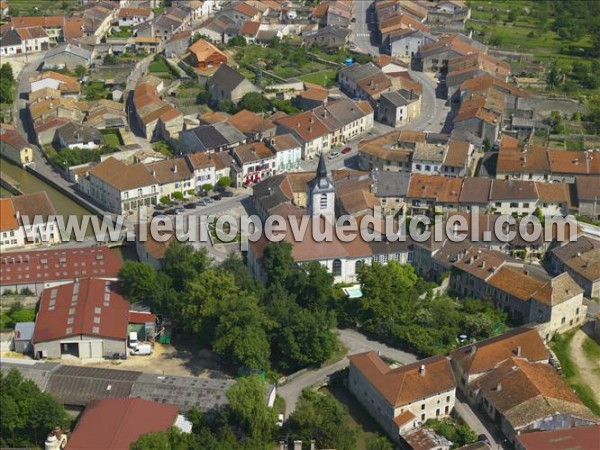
(142, 350)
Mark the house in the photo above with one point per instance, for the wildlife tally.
(526, 396)
(203, 166)
(66, 85)
(583, 437)
(328, 38)
(115, 423)
(312, 97)
(527, 295)
(163, 26)
(391, 151)
(23, 335)
(227, 84)
(58, 28)
(73, 135)
(406, 42)
(397, 22)
(288, 152)
(120, 188)
(97, 21)
(154, 118)
(434, 56)
(68, 56)
(28, 219)
(14, 147)
(472, 65)
(172, 175)
(248, 30)
(345, 119)
(513, 197)
(82, 319)
(396, 108)
(3, 10)
(19, 270)
(477, 119)
(309, 130)
(350, 76)
(433, 192)
(218, 137)
(204, 55)
(240, 11)
(401, 399)
(149, 249)
(178, 44)
(587, 191)
(581, 260)
(473, 361)
(254, 126)
(215, 27)
(130, 17)
(428, 158)
(61, 108)
(388, 64)
(458, 158)
(256, 161)
(23, 41)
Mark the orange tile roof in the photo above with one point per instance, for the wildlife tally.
(250, 122)
(405, 384)
(8, 220)
(132, 12)
(438, 187)
(485, 355)
(307, 125)
(246, 9)
(203, 50)
(250, 28)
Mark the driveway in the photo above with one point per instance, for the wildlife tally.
(589, 370)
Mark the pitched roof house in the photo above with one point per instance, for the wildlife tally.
(228, 84)
(204, 55)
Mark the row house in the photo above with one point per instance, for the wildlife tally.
(65, 85)
(130, 17)
(173, 175)
(256, 162)
(435, 56)
(396, 108)
(218, 137)
(203, 167)
(27, 220)
(472, 65)
(544, 164)
(23, 41)
(526, 294)
(288, 152)
(252, 125)
(390, 152)
(581, 260)
(58, 28)
(14, 147)
(403, 398)
(228, 84)
(433, 192)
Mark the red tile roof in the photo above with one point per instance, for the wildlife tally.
(47, 266)
(141, 317)
(8, 221)
(405, 384)
(580, 438)
(115, 423)
(88, 308)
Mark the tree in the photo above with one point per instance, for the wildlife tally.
(322, 418)
(513, 15)
(27, 413)
(278, 262)
(7, 84)
(379, 443)
(255, 102)
(110, 60)
(164, 148)
(207, 187)
(203, 97)
(137, 281)
(170, 439)
(165, 200)
(177, 195)
(6, 72)
(224, 181)
(182, 263)
(225, 106)
(80, 71)
(237, 41)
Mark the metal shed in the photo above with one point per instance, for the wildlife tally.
(23, 335)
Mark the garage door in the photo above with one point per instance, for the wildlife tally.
(97, 349)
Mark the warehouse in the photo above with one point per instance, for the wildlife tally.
(82, 319)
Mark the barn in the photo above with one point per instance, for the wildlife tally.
(82, 319)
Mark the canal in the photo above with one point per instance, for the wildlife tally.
(29, 184)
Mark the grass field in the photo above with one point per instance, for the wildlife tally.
(112, 137)
(158, 66)
(44, 7)
(326, 77)
(560, 345)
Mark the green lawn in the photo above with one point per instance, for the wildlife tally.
(326, 77)
(591, 349)
(112, 137)
(158, 66)
(560, 345)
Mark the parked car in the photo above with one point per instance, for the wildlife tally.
(158, 213)
(142, 350)
(346, 150)
(201, 203)
(333, 155)
(483, 438)
(227, 194)
(209, 200)
(133, 339)
(189, 206)
(170, 212)
(216, 197)
(179, 211)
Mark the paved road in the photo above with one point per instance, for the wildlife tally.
(361, 34)
(23, 85)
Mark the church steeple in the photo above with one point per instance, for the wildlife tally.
(321, 193)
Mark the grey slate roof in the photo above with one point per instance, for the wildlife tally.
(38, 372)
(216, 135)
(183, 392)
(394, 98)
(69, 48)
(357, 72)
(74, 133)
(226, 78)
(391, 184)
(269, 193)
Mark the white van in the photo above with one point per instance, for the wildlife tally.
(142, 350)
(133, 339)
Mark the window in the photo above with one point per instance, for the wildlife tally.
(525, 205)
(337, 268)
(514, 205)
(323, 201)
(423, 407)
(360, 263)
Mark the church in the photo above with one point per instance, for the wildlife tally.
(323, 197)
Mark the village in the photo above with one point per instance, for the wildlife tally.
(135, 111)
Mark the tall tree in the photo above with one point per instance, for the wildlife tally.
(247, 399)
(278, 262)
(183, 263)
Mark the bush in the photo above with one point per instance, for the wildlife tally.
(26, 291)
(224, 182)
(165, 200)
(177, 195)
(237, 41)
(207, 187)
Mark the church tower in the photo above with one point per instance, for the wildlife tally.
(321, 193)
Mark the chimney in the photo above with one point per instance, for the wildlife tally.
(483, 264)
(422, 370)
(518, 350)
(499, 387)
(175, 168)
(153, 172)
(526, 272)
